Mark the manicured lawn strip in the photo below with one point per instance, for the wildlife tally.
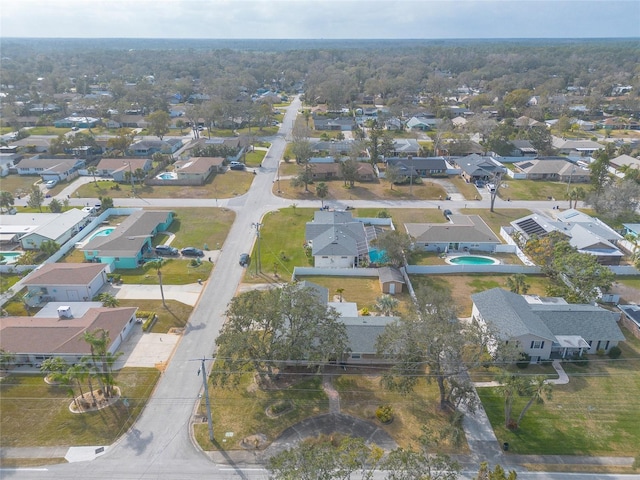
(18, 184)
(242, 411)
(174, 272)
(282, 237)
(360, 395)
(254, 158)
(8, 280)
(29, 462)
(400, 216)
(33, 413)
(176, 315)
(596, 413)
(362, 290)
(468, 190)
(224, 185)
(48, 130)
(462, 286)
(533, 190)
(498, 218)
(195, 227)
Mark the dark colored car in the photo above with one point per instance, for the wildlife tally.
(245, 259)
(236, 166)
(192, 252)
(447, 213)
(166, 250)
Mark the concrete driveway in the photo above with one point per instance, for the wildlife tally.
(147, 349)
(187, 294)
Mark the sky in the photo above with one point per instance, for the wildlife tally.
(346, 19)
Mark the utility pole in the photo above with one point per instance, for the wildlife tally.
(133, 188)
(258, 267)
(206, 397)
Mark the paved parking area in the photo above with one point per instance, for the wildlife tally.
(147, 349)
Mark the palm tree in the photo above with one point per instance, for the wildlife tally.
(539, 389)
(158, 264)
(322, 190)
(76, 375)
(340, 291)
(386, 304)
(518, 283)
(90, 369)
(54, 368)
(108, 300)
(93, 170)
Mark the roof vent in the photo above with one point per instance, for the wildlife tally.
(64, 311)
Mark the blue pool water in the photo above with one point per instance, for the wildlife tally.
(167, 176)
(102, 233)
(376, 255)
(473, 260)
(10, 257)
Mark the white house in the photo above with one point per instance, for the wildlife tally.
(65, 282)
(57, 227)
(337, 240)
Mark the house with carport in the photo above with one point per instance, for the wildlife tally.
(116, 168)
(51, 168)
(128, 244)
(55, 227)
(65, 282)
(546, 328)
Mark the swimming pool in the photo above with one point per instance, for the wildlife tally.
(472, 260)
(376, 255)
(167, 176)
(10, 257)
(102, 232)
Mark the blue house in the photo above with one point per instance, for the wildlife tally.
(128, 244)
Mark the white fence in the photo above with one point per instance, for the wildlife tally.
(334, 272)
(505, 233)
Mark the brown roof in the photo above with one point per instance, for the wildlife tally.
(198, 164)
(61, 336)
(365, 168)
(319, 168)
(65, 274)
(120, 163)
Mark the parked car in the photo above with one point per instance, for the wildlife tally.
(245, 259)
(51, 183)
(236, 166)
(192, 252)
(166, 250)
(447, 213)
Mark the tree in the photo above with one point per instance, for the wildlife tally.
(6, 359)
(49, 247)
(304, 177)
(496, 180)
(513, 386)
(108, 300)
(340, 291)
(121, 142)
(28, 257)
(36, 198)
(92, 171)
(6, 201)
(159, 123)
(397, 247)
(387, 304)
(326, 458)
(619, 202)
(375, 133)
(54, 368)
(539, 390)
(432, 337)
(600, 172)
(265, 328)
(387, 146)
(582, 273)
(393, 175)
(349, 171)
(106, 202)
(55, 205)
(518, 283)
(322, 190)
(498, 473)
(157, 265)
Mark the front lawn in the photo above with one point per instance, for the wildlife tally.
(174, 272)
(197, 227)
(533, 190)
(176, 315)
(596, 413)
(34, 414)
(223, 185)
(18, 184)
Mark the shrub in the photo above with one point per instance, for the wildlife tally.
(615, 352)
(280, 407)
(148, 318)
(383, 214)
(523, 363)
(384, 413)
(601, 352)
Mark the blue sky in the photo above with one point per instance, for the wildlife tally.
(320, 18)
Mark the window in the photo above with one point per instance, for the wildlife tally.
(537, 344)
(356, 356)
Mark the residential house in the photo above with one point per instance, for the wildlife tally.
(523, 148)
(477, 167)
(404, 147)
(366, 172)
(337, 240)
(65, 282)
(51, 168)
(585, 233)
(631, 318)
(526, 122)
(33, 145)
(57, 331)
(343, 124)
(44, 226)
(461, 233)
(420, 166)
(334, 148)
(77, 121)
(117, 168)
(584, 148)
(128, 244)
(423, 123)
(146, 148)
(557, 170)
(622, 162)
(546, 328)
(325, 171)
(197, 170)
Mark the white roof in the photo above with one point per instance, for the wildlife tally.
(64, 222)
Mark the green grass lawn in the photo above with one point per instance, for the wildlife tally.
(195, 227)
(532, 190)
(18, 184)
(242, 411)
(174, 272)
(34, 414)
(468, 190)
(224, 185)
(48, 130)
(596, 413)
(8, 280)
(282, 237)
(176, 315)
(254, 159)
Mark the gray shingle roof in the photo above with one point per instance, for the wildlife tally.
(462, 228)
(510, 314)
(363, 332)
(588, 321)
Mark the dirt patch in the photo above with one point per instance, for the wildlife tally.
(627, 294)
(92, 401)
